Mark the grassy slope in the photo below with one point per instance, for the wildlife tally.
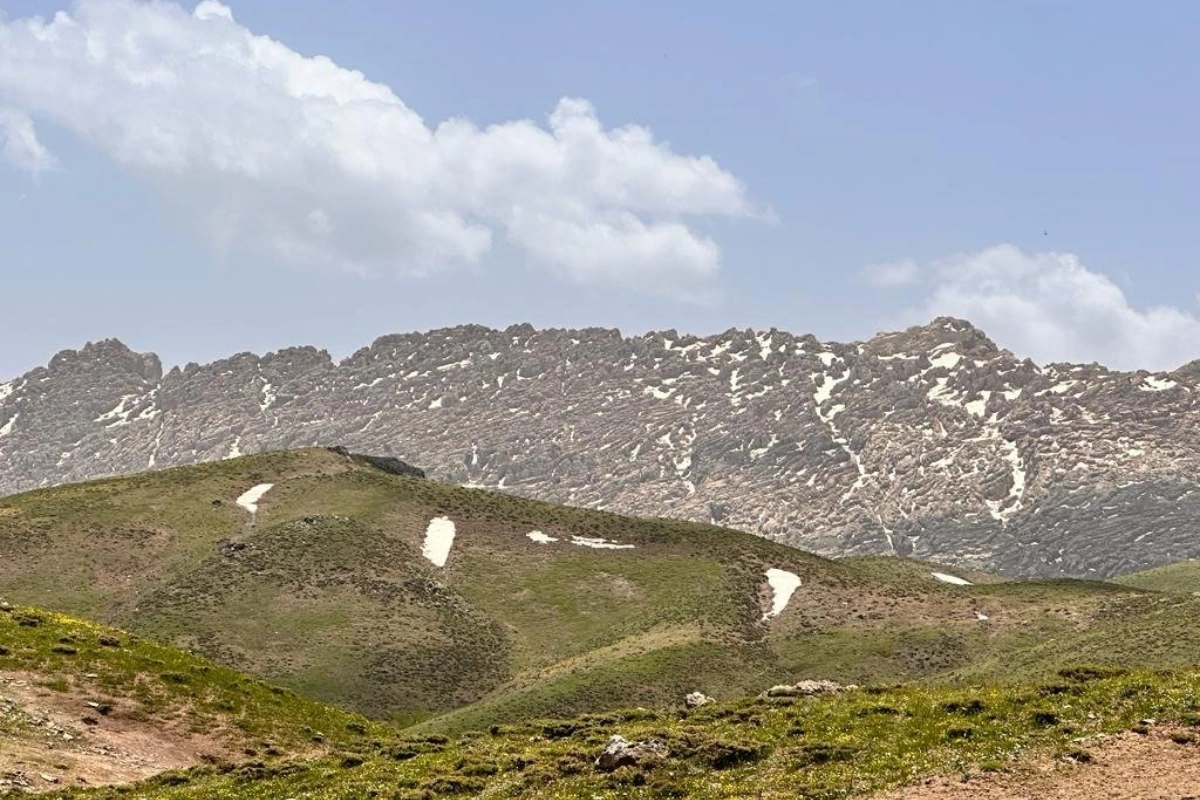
(329, 595)
(829, 748)
(157, 688)
(1183, 577)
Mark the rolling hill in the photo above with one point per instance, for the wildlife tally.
(344, 585)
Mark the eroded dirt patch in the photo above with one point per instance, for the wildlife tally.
(52, 738)
(1130, 766)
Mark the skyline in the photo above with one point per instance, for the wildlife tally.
(226, 187)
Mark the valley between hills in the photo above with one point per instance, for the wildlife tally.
(309, 623)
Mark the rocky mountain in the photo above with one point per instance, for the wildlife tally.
(931, 442)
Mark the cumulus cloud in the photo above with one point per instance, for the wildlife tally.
(302, 158)
(19, 145)
(893, 273)
(1052, 307)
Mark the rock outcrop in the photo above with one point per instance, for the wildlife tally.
(388, 464)
(931, 442)
(620, 752)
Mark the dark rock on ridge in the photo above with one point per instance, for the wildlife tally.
(393, 466)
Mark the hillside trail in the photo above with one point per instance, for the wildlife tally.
(1128, 766)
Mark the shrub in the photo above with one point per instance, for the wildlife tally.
(723, 755)
(968, 708)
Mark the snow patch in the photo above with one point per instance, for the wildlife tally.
(6, 389)
(8, 426)
(268, 396)
(764, 346)
(540, 538)
(249, 499)
(954, 579)
(599, 544)
(466, 362)
(439, 536)
(119, 415)
(948, 360)
(1153, 384)
(825, 390)
(758, 452)
(783, 585)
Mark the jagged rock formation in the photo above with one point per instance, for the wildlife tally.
(930, 442)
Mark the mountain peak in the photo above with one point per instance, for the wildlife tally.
(112, 353)
(965, 337)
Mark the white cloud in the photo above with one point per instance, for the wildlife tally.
(19, 144)
(1051, 307)
(314, 163)
(893, 273)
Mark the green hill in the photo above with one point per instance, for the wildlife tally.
(1180, 578)
(326, 591)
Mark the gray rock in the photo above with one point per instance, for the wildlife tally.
(697, 699)
(620, 752)
(807, 689)
(930, 442)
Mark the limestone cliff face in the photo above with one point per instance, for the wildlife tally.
(929, 442)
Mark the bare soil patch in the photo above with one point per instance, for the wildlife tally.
(1130, 766)
(51, 739)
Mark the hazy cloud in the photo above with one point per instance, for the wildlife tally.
(314, 163)
(1051, 307)
(19, 145)
(893, 273)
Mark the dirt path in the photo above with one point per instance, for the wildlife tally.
(52, 739)
(1125, 767)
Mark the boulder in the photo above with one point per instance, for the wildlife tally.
(807, 689)
(620, 752)
(697, 699)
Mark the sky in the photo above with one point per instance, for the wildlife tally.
(201, 179)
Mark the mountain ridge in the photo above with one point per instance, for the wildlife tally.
(932, 442)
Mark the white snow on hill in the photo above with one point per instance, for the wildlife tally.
(599, 544)
(783, 585)
(954, 579)
(439, 536)
(249, 500)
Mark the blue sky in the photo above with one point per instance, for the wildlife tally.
(873, 164)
